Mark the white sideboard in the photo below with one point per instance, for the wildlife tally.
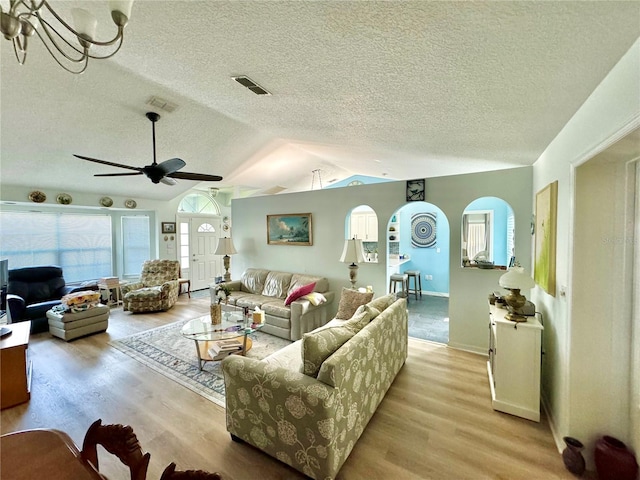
(514, 364)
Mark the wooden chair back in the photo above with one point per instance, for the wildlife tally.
(119, 440)
(170, 473)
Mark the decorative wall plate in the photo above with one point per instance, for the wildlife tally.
(37, 196)
(130, 203)
(225, 228)
(106, 201)
(225, 219)
(64, 199)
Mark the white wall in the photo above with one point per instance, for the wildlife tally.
(611, 111)
(469, 287)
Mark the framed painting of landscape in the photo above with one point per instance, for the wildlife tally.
(289, 229)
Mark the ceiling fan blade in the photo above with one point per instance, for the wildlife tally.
(171, 165)
(168, 181)
(104, 162)
(116, 174)
(202, 177)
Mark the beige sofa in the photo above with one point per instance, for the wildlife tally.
(268, 290)
(312, 423)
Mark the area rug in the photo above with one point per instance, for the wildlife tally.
(166, 351)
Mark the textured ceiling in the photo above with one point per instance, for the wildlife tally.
(395, 89)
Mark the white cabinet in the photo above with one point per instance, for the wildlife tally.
(514, 364)
(364, 225)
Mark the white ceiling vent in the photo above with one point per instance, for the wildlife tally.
(162, 104)
(251, 85)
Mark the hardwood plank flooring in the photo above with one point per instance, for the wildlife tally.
(436, 421)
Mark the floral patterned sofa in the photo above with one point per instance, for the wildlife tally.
(312, 422)
(157, 289)
(269, 290)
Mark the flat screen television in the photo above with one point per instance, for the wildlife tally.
(4, 272)
(4, 280)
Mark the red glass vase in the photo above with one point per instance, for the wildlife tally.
(614, 461)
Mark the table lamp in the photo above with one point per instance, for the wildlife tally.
(226, 248)
(515, 280)
(353, 253)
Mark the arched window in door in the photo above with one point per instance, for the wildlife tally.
(206, 228)
(199, 203)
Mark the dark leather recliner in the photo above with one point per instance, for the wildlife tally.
(32, 291)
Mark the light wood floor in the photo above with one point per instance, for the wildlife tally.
(435, 422)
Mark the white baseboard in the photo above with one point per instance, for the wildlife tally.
(435, 294)
(468, 348)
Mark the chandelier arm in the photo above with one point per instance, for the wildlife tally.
(77, 34)
(15, 4)
(53, 54)
(47, 29)
(19, 47)
(96, 57)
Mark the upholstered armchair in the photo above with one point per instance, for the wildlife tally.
(32, 291)
(157, 289)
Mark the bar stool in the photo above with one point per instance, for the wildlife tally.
(403, 279)
(417, 282)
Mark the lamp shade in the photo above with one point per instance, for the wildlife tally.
(225, 247)
(84, 22)
(516, 278)
(352, 251)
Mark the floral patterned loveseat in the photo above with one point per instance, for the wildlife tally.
(157, 289)
(313, 422)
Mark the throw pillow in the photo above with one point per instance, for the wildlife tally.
(350, 300)
(298, 292)
(320, 345)
(383, 302)
(315, 298)
(359, 320)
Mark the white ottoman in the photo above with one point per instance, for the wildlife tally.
(73, 325)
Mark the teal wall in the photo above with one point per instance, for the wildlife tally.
(501, 212)
(430, 261)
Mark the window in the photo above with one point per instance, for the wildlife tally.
(79, 243)
(477, 235)
(184, 245)
(135, 244)
(198, 203)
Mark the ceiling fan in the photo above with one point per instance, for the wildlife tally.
(164, 172)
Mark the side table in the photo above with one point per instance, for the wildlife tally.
(15, 367)
(113, 293)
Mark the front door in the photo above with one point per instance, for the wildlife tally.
(204, 265)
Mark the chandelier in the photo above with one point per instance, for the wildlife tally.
(26, 17)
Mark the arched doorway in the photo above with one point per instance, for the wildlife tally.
(418, 240)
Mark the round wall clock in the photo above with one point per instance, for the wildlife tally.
(64, 199)
(37, 196)
(130, 203)
(106, 201)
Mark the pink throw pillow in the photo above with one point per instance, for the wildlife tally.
(299, 292)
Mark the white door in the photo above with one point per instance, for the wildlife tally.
(204, 265)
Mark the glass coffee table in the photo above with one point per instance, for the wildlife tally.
(229, 337)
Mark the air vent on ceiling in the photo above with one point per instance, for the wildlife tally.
(162, 104)
(251, 85)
